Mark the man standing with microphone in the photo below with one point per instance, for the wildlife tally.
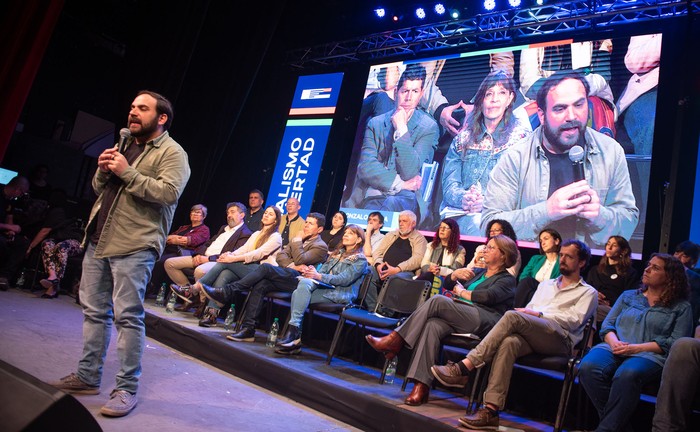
(138, 187)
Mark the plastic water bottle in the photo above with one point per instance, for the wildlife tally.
(160, 299)
(230, 321)
(21, 280)
(391, 371)
(272, 336)
(171, 303)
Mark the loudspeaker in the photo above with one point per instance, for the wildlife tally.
(28, 404)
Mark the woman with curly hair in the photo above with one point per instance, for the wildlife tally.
(613, 275)
(637, 333)
(444, 254)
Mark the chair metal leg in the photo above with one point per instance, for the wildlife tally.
(405, 381)
(564, 398)
(241, 313)
(336, 336)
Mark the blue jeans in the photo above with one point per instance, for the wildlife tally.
(306, 293)
(112, 290)
(223, 273)
(614, 383)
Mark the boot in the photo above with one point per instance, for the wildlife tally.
(390, 344)
(419, 394)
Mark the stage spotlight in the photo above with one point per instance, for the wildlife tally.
(380, 12)
(539, 2)
(514, 3)
(420, 13)
(439, 9)
(395, 18)
(489, 4)
(454, 13)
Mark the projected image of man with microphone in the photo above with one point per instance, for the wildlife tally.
(536, 184)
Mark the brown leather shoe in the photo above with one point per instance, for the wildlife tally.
(390, 344)
(419, 394)
(483, 419)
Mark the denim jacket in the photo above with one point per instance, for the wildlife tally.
(345, 275)
(519, 187)
(634, 321)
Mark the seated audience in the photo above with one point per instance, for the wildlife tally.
(334, 236)
(679, 383)
(540, 267)
(340, 277)
(39, 187)
(262, 247)
(613, 275)
(398, 255)
(182, 241)
(494, 227)
(229, 238)
(373, 235)
(306, 249)
(292, 223)
(637, 333)
(254, 214)
(551, 324)
(444, 254)
(475, 309)
(60, 237)
(688, 253)
(12, 245)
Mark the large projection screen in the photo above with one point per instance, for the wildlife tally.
(496, 166)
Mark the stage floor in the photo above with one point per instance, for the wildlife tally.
(188, 378)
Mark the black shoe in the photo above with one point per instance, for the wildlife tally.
(246, 334)
(217, 295)
(4, 284)
(290, 350)
(293, 337)
(210, 318)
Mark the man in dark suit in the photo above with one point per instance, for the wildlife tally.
(229, 238)
(304, 250)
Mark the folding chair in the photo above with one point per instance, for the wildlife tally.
(398, 296)
(566, 364)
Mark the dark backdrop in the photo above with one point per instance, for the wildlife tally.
(222, 64)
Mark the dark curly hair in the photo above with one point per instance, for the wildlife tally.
(507, 229)
(453, 240)
(677, 287)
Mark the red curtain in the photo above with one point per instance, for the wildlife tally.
(25, 30)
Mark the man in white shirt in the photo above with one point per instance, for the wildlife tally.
(229, 238)
(551, 324)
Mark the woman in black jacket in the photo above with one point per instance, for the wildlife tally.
(474, 307)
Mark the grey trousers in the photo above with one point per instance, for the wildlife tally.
(435, 319)
(679, 382)
(515, 335)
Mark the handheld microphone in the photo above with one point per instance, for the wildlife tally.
(576, 158)
(124, 135)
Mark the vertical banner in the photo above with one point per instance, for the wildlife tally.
(299, 162)
(304, 142)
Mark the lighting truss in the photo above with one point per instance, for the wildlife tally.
(488, 28)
